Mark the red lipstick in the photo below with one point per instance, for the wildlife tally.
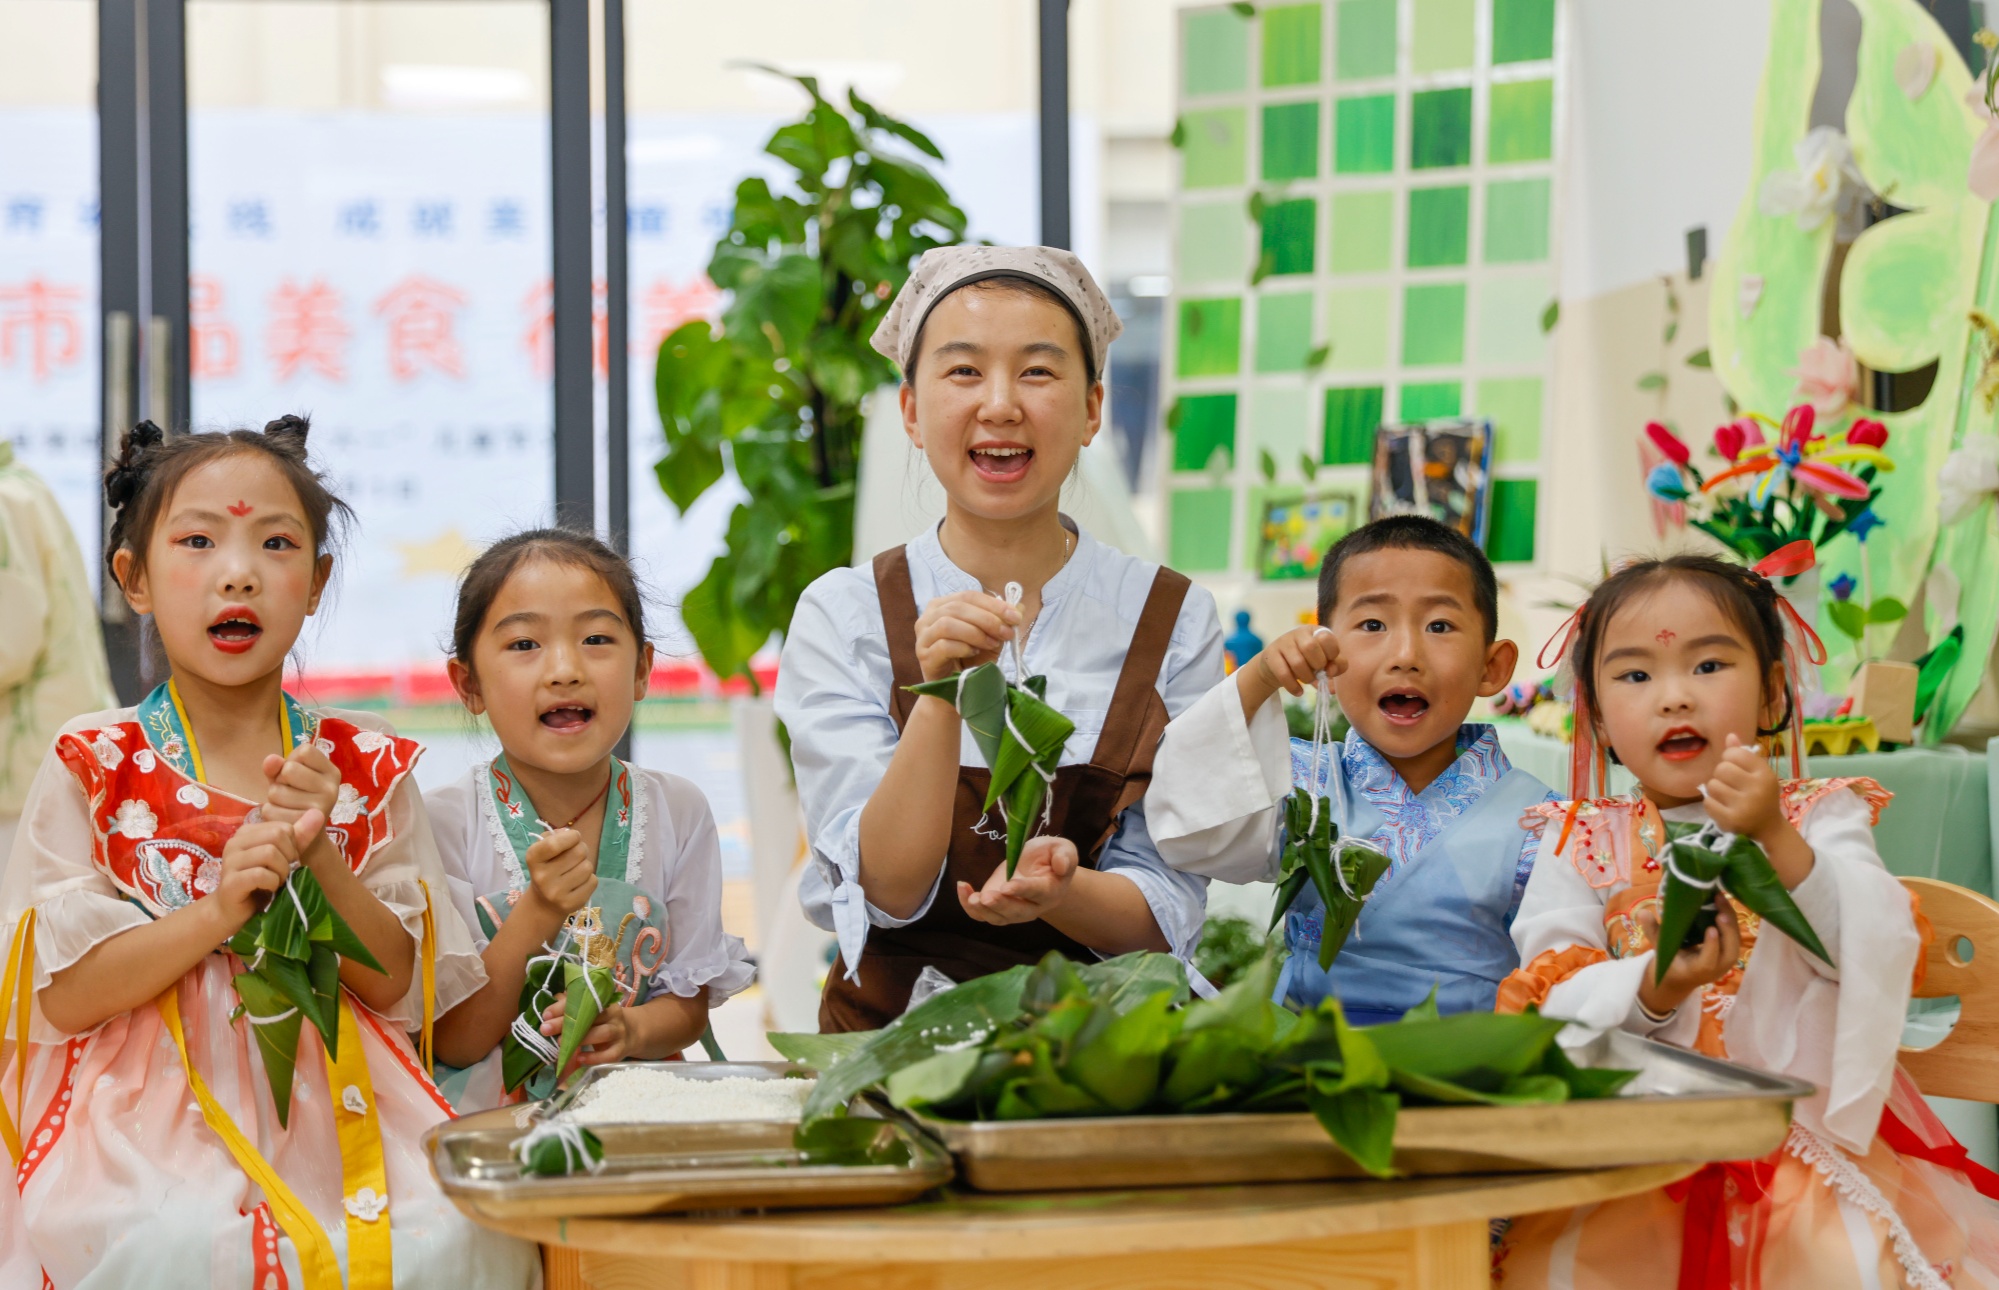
(236, 630)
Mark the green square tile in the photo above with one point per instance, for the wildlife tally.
(1199, 523)
(1516, 221)
(1433, 324)
(1280, 421)
(1523, 116)
(1509, 319)
(1214, 58)
(1513, 405)
(1210, 337)
(1439, 226)
(1291, 140)
(1214, 244)
(1283, 331)
(1207, 425)
(1353, 414)
(1215, 151)
(1523, 31)
(1289, 236)
(1364, 44)
(1440, 128)
(1364, 134)
(1441, 35)
(1510, 539)
(1291, 45)
(1429, 402)
(1357, 328)
(1363, 232)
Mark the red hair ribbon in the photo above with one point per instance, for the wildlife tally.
(1564, 636)
(1789, 561)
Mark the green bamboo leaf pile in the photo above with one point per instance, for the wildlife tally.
(1119, 1038)
(291, 950)
(1703, 856)
(582, 984)
(1344, 874)
(1018, 734)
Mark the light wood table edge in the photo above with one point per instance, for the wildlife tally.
(1241, 1216)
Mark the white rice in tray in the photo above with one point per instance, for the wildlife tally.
(637, 1095)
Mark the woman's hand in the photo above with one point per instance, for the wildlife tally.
(1694, 967)
(963, 630)
(1290, 663)
(609, 1039)
(561, 874)
(304, 781)
(1041, 881)
(255, 862)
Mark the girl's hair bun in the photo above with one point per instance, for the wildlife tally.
(128, 471)
(290, 430)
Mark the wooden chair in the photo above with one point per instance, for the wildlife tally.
(1964, 961)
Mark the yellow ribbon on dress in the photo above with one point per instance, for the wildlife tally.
(363, 1177)
(17, 993)
(427, 1051)
(315, 1253)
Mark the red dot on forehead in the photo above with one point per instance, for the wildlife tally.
(1665, 638)
(240, 509)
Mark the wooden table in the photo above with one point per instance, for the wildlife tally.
(1427, 1233)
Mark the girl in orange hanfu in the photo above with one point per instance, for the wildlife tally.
(1682, 669)
(147, 1147)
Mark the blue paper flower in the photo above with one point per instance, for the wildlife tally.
(1863, 524)
(1842, 586)
(1665, 483)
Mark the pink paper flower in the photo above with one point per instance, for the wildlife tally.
(1668, 443)
(1729, 440)
(1828, 376)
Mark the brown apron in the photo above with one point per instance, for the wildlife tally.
(1085, 803)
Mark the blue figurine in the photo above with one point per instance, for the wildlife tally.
(1242, 644)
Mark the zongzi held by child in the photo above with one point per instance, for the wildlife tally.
(1408, 625)
(1002, 353)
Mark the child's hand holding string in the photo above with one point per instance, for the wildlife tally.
(1041, 881)
(1744, 797)
(305, 780)
(255, 862)
(1291, 663)
(561, 876)
(611, 1038)
(1693, 967)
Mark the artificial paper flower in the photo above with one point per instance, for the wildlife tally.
(1863, 524)
(1969, 476)
(1669, 444)
(1729, 440)
(1842, 587)
(1827, 181)
(1828, 376)
(1816, 463)
(1665, 483)
(1867, 433)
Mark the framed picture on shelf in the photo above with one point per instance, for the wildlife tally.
(1298, 528)
(1442, 469)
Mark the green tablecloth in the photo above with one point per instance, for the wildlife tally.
(1942, 823)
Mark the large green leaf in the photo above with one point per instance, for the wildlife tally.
(277, 1040)
(819, 1052)
(1361, 1121)
(586, 993)
(1119, 1065)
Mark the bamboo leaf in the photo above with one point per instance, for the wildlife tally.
(1120, 1065)
(1753, 880)
(1361, 1121)
(277, 1041)
(586, 991)
(820, 1052)
(934, 1081)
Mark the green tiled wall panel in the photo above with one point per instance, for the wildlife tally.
(1207, 423)
(1215, 57)
(1510, 538)
(1199, 520)
(1215, 151)
(1290, 44)
(1210, 337)
(1353, 414)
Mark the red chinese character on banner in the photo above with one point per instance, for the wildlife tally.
(213, 349)
(667, 305)
(539, 338)
(40, 319)
(307, 330)
(420, 311)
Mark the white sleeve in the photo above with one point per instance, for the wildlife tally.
(1560, 909)
(1218, 788)
(1836, 1027)
(835, 708)
(689, 882)
(453, 815)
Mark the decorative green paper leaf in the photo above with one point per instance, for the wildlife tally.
(1887, 610)
(1850, 618)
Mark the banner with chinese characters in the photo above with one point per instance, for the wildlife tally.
(388, 275)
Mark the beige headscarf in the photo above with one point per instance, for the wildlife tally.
(947, 268)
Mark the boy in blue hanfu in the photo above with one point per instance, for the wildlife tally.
(1408, 620)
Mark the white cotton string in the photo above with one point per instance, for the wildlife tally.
(1322, 732)
(1013, 594)
(1675, 871)
(272, 1020)
(569, 1134)
(297, 904)
(534, 1041)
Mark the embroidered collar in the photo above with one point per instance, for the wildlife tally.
(519, 824)
(1413, 820)
(165, 726)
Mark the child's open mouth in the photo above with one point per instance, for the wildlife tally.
(1682, 744)
(1404, 707)
(1002, 463)
(567, 720)
(236, 631)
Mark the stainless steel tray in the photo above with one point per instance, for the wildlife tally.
(667, 1168)
(1681, 1107)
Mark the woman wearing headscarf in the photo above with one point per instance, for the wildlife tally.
(1002, 353)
